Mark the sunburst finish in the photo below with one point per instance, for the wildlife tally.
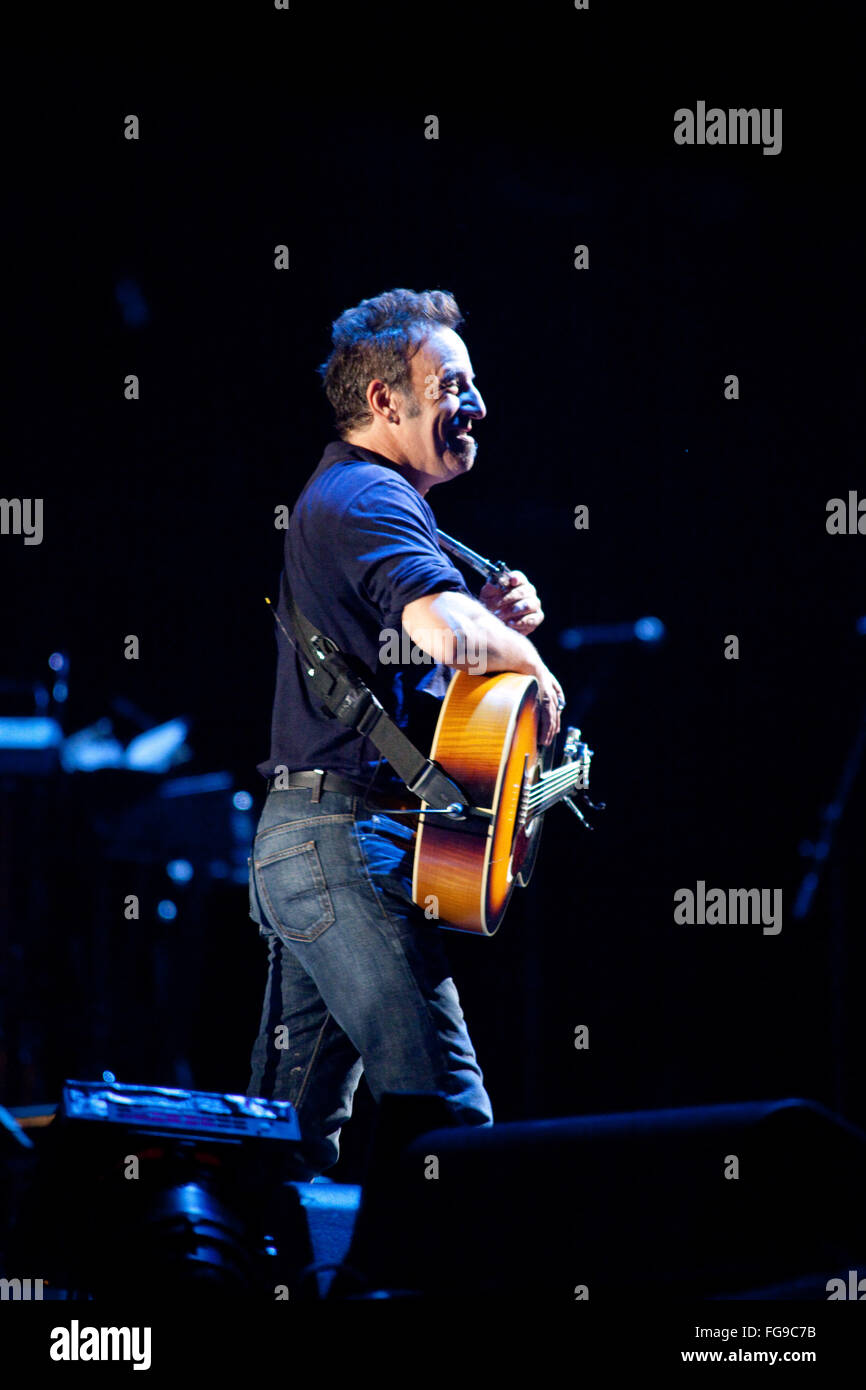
(487, 740)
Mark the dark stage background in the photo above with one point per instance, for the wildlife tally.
(604, 387)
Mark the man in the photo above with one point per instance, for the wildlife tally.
(357, 979)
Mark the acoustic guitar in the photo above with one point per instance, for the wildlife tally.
(487, 739)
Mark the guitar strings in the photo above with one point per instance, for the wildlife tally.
(554, 785)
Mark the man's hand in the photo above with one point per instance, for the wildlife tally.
(514, 601)
(551, 701)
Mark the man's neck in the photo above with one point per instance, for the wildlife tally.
(377, 445)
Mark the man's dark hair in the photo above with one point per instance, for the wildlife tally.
(379, 338)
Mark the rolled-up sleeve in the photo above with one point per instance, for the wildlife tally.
(387, 547)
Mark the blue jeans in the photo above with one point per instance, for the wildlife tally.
(358, 981)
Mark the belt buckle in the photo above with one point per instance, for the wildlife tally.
(317, 785)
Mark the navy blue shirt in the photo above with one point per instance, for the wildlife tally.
(361, 544)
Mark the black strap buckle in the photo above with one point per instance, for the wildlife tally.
(436, 788)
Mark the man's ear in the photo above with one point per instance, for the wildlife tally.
(380, 399)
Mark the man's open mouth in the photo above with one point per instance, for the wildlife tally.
(459, 434)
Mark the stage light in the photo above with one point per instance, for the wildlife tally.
(30, 731)
(612, 634)
(179, 870)
(242, 801)
(157, 749)
(649, 629)
(167, 910)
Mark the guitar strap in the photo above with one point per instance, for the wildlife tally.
(346, 697)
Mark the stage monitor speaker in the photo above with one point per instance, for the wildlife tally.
(686, 1203)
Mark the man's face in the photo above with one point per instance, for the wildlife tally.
(437, 439)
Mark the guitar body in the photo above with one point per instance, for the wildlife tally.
(487, 740)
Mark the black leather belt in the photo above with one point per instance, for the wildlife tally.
(320, 781)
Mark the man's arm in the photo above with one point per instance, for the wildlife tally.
(455, 628)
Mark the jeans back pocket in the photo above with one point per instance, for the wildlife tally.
(292, 888)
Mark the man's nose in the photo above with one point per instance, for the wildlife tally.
(474, 404)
